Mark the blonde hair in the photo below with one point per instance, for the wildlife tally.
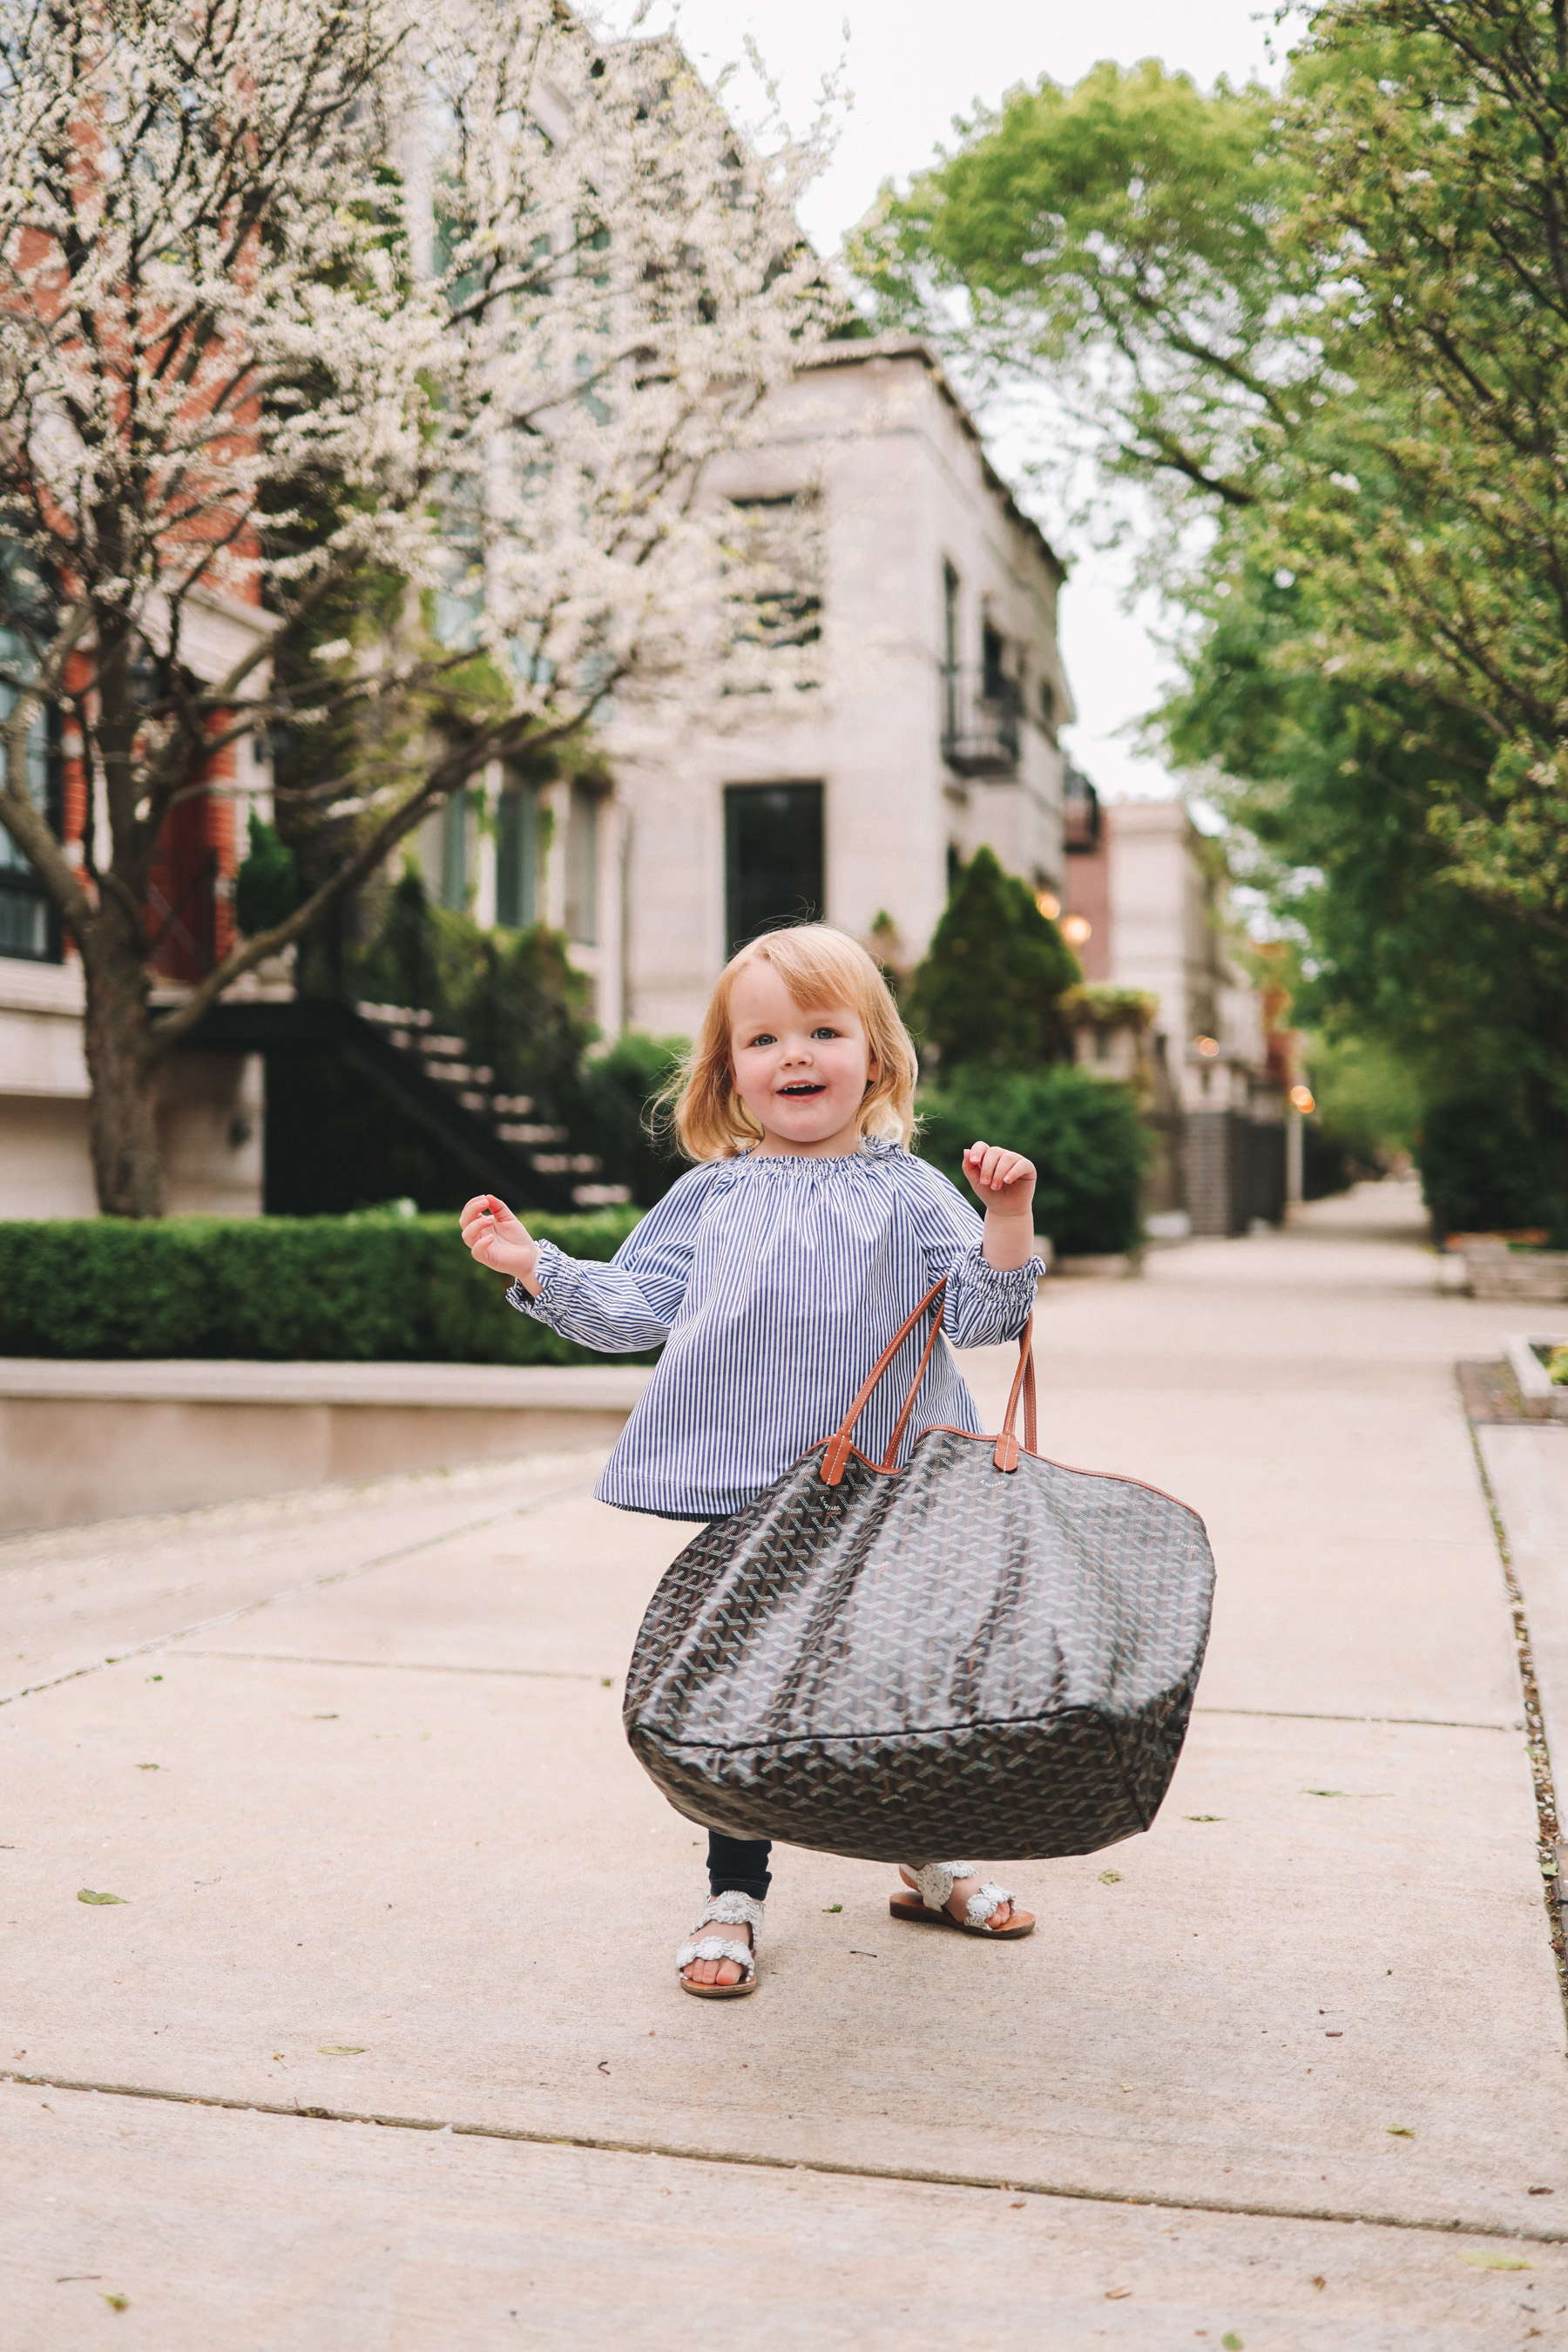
(819, 966)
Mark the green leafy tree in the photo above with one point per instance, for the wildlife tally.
(1337, 324)
(1328, 783)
(1118, 242)
(989, 990)
(1341, 317)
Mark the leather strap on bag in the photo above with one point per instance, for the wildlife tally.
(1006, 1455)
(837, 1452)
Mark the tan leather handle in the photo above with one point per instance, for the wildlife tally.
(1005, 1455)
(838, 1445)
(891, 1459)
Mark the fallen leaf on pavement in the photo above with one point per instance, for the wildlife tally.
(149, 1767)
(118, 2302)
(87, 1895)
(828, 1908)
(1115, 2293)
(1346, 1793)
(1483, 2259)
(1202, 1817)
(1399, 2131)
(1232, 2342)
(340, 2049)
(1110, 1878)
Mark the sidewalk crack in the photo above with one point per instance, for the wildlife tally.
(1549, 1833)
(1442, 2225)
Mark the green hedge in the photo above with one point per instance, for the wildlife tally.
(378, 1288)
(1084, 1135)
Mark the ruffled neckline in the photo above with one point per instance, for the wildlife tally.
(871, 1150)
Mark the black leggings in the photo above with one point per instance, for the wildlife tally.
(738, 1865)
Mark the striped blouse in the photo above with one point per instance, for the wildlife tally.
(773, 1283)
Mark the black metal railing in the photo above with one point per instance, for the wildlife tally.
(981, 723)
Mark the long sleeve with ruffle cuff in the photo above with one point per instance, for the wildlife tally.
(983, 1304)
(599, 1305)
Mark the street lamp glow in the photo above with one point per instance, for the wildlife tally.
(1302, 1097)
(1050, 904)
(1077, 929)
(1207, 1046)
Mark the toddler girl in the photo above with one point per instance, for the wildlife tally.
(773, 1274)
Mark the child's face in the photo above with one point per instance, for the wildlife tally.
(801, 1073)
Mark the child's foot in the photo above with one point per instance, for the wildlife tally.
(957, 1905)
(718, 1972)
(953, 1895)
(724, 1962)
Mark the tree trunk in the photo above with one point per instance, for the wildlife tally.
(124, 1089)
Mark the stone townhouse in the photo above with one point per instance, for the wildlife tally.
(924, 602)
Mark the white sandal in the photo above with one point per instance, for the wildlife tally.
(935, 1883)
(730, 1910)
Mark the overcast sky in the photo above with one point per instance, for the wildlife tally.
(911, 65)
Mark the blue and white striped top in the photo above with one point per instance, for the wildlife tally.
(774, 1284)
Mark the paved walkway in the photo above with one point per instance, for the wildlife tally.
(1284, 2072)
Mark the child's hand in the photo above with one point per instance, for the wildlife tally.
(497, 1239)
(1004, 1181)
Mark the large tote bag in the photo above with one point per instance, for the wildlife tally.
(981, 1652)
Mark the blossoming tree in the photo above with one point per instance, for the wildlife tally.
(300, 295)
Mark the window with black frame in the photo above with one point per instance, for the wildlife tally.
(772, 858)
(28, 926)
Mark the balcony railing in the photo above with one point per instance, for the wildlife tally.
(981, 718)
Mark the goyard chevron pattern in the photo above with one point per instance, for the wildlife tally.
(944, 1659)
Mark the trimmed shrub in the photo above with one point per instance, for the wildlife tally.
(989, 990)
(1484, 1169)
(618, 1091)
(378, 1288)
(266, 886)
(1084, 1135)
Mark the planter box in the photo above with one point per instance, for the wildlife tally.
(1544, 1399)
(1494, 1271)
(91, 1440)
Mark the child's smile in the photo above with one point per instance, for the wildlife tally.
(802, 1071)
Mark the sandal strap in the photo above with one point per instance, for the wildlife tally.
(935, 1881)
(715, 1948)
(730, 1909)
(734, 1909)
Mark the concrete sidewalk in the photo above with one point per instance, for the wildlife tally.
(1285, 2071)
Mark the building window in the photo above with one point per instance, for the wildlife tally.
(993, 680)
(774, 591)
(29, 927)
(772, 858)
(583, 865)
(455, 850)
(1080, 815)
(518, 841)
(950, 646)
